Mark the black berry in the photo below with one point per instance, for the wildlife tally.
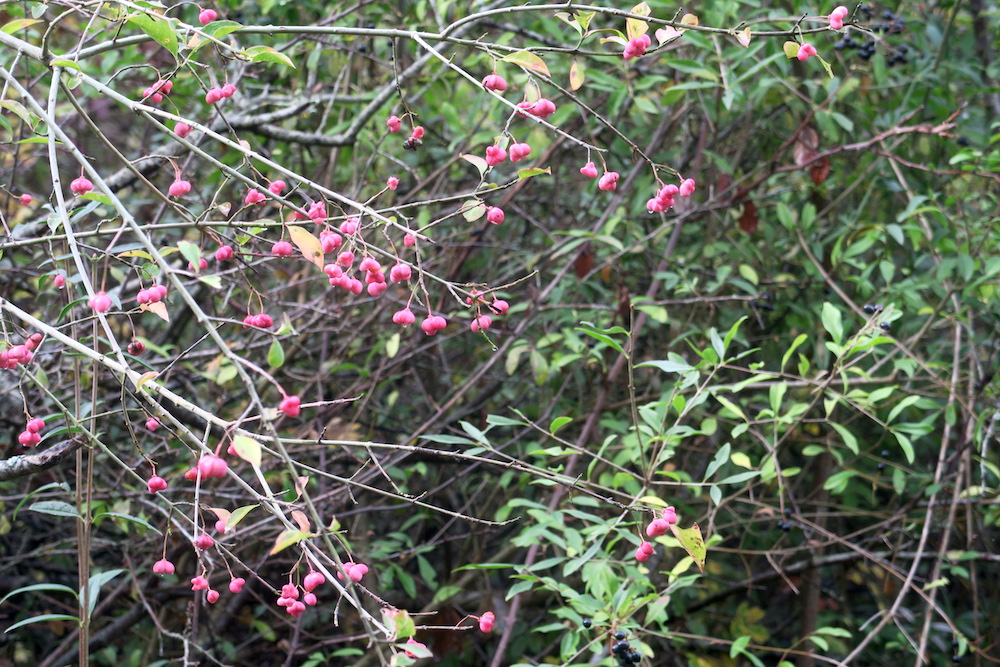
(587, 623)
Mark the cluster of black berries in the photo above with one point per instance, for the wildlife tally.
(885, 455)
(623, 652)
(412, 144)
(893, 25)
(871, 310)
(785, 525)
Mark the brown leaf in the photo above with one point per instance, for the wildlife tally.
(819, 170)
(584, 262)
(749, 219)
(806, 145)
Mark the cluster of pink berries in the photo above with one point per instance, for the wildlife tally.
(608, 180)
(29, 436)
(636, 47)
(482, 321)
(354, 571)
(158, 90)
(154, 294)
(216, 94)
(260, 320)
(541, 108)
(837, 18)
(254, 197)
(664, 198)
(806, 51)
(20, 354)
(658, 526)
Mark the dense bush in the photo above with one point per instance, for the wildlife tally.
(450, 303)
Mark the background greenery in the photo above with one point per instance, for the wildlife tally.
(840, 461)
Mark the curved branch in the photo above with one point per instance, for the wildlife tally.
(29, 464)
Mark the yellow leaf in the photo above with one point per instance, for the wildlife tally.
(741, 459)
(308, 244)
(287, 538)
(159, 309)
(577, 75)
(634, 27)
(144, 378)
(247, 449)
(692, 542)
(528, 60)
(689, 19)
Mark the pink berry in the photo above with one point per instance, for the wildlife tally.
(182, 130)
(486, 622)
(687, 187)
(213, 96)
(369, 264)
(317, 211)
(263, 321)
(163, 566)
(276, 187)
(210, 465)
(156, 483)
(392, 182)
(589, 170)
(312, 580)
(206, 16)
(204, 541)
(236, 585)
(290, 406)
(500, 306)
(806, 51)
(202, 264)
(495, 155)
(26, 199)
(290, 591)
(641, 555)
(330, 240)
(345, 258)
(59, 281)
(394, 124)
(519, 152)
(228, 90)
(220, 526)
(494, 215)
(481, 323)
(224, 253)
(432, 324)
(609, 181)
(152, 424)
(282, 249)
(179, 188)
(309, 599)
(404, 317)
(409, 240)
(417, 133)
(296, 608)
(543, 108)
(670, 515)
(647, 548)
(495, 82)
(212, 596)
(253, 197)
(199, 583)
(100, 302)
(35, 425)
(80, 186)
(399, 273)
(29, 439)
(636, 47)
(349, 226)
(657, 527)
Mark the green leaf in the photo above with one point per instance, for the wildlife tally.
(276, 354)
(558, 423)
(721, 457)
(399, 620)
(129, 517)
(667, 366)
(905, 445)
(42, 619)
(287, 538)
(238, 515)
(190, 252)
(160, 30)
(54, 508)
(446, 593)
(94, 587)
(849, 440)
(604, 335)
(40, 587)
(259, 54)
(533, 171)
(739, 646)
(528, 60)
(247, 449)
(832, 322)
(18, 24)
(66, 64)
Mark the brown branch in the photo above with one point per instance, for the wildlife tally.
(29, 464)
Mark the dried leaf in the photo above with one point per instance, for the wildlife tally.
(692, 542)
(806, 145)
(159, 309)
(584, 262)
(689, 19)
(819, 170)
(301, 520)
(749, 219)
(743, 37)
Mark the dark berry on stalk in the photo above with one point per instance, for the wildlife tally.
(620, 635)
(788, 511)
(885, 326)
(881, 467)
(636, 657)
(868, 308)
(587, 623)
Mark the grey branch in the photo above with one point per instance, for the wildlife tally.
(28, 464)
